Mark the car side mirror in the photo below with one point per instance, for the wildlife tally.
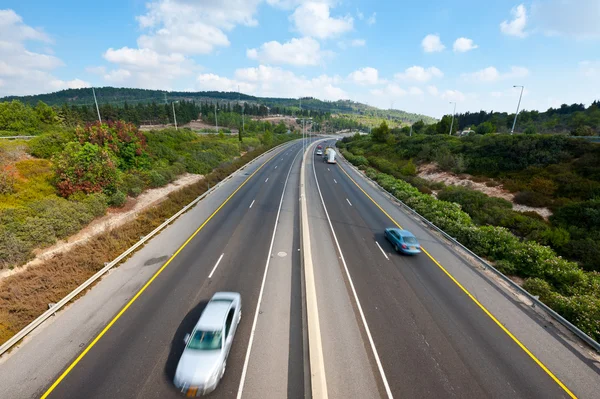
(186, 339)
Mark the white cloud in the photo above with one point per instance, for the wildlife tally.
(96, 70)
(147, 68)
(210, 81)
(453, 95)
(560, 17)
(391, 90)
(270, 81)
(590, 69)
(432, 44)
(462, 45)
(358, 42)
(419, 74)
(372, 19)
(516, 27)
(23, 71)
(491, 74)
(365, 76)
(313, 19)
(186, 27)
(433, 90)
(415, 91)
(305, 51)
(360, 15)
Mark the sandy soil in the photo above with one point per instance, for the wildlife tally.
(115, 217)
(432, 173)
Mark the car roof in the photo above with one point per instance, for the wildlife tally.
(403, 233)
(213, 315)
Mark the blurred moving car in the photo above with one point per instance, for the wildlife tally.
(202, 364)
(403, 241)
(319, 151)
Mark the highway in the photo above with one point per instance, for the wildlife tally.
(431, 338)
(138, 355)
(391, 326)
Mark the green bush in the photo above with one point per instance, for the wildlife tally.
(49, 144)
(133, 183)
(531, 198)
(117, 199)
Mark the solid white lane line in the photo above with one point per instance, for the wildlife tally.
(267, 180)
(262, 285)
(360, 310)
(216, 265)
(381, 249)
(329, 169)
(335, 181)
(349, 201)
(275, 166)
(252, 203)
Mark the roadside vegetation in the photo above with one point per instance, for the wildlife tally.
(26, 295)
(56, 183)
(559, 259)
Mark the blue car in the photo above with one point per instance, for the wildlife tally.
(403, 241)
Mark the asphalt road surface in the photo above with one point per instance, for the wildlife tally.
(138, 355)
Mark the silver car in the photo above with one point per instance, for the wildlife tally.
(203, 361)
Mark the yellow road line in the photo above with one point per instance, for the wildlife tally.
(132, 300)
(487, 312)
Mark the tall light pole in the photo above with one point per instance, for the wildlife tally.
(97, 109)
(174, 116)
(216, 121)
(454, 112)
(518, 105)
(239, 101)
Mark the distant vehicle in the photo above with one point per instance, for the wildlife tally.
(319, 151)
(403, 241)
(319, 146)
(329, 156)
(202, 364)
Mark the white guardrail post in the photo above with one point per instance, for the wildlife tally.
(37, 322)
(536, 302)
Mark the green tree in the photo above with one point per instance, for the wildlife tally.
(381, 133)
(485, 128)
(86, 168)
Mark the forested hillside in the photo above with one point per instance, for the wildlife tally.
(118, 97)
(574, 119)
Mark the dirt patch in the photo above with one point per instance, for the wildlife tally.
(115, 217)
(194, 125)
(432, 173)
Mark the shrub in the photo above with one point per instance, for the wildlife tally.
(49, 144)
(7, 179)
(531, 198)
(133, 183)
(124, 139)
(505, 267)
(409, 169)
(87, 168)
(117, 199)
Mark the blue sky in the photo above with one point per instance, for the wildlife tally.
(415, 56)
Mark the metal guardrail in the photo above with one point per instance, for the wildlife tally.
(535, 301)
(17, 137)
(56, 307)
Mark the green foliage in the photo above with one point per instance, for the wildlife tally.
(48, 144)
(123, 139)
(18, 117)
(85, 167)
(382, 133)
(117, 199)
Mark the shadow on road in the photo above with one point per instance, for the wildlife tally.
(177, 344)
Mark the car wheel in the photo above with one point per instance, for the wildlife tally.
(396, 248)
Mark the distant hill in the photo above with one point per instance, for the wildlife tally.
(120, 96)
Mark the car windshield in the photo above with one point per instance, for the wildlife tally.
(205, 340)
(410, 240)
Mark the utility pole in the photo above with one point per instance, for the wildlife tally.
(174, 116)
(96, 101)
(454, 112)
(216, 121)
(239, 101)
(410, 134)
(518, 105)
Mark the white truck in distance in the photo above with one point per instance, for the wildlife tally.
(329, 155)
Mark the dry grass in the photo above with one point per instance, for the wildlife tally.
(26, 295)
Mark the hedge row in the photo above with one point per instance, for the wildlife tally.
(567, 289)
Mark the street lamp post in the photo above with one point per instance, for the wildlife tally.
(518, 105)
(174, 116)
(454, 112)
(216, 120)
(97, 108)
